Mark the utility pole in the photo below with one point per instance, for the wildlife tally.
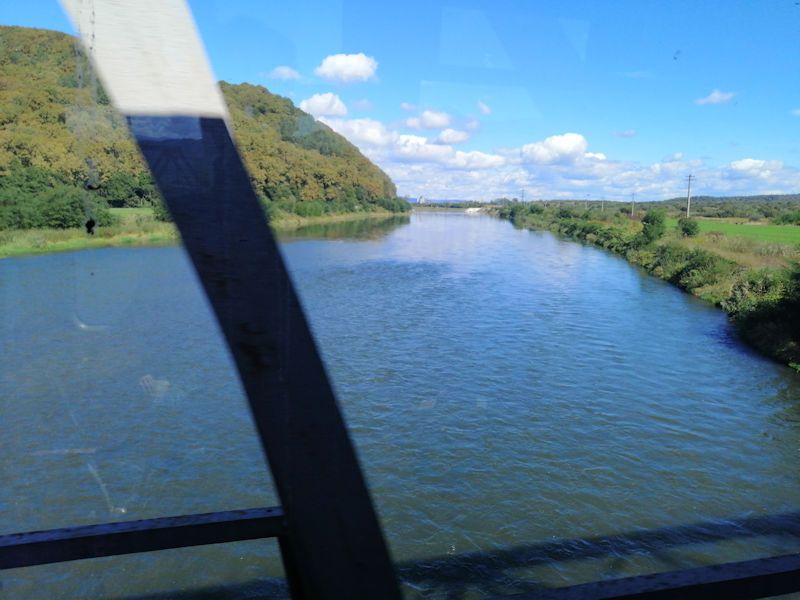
(689, 194)
(633, 203)
(603, 204)
(523, 194)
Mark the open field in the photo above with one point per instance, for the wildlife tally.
(781, 234)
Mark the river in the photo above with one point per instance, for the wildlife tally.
(509, 393)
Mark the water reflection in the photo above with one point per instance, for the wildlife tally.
(358, 229)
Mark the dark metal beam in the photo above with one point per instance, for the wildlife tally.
(128, 537)
(334, 537)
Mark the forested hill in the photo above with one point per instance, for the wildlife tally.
(57, 127)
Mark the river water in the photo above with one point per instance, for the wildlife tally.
(511, 396)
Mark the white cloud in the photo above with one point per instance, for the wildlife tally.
(388, 147)
(472, 124)
(363, 104)
(324, 105)
(408, 107)
(283, 72)
(716, 97)
(751, 167)
(416, 147)
(795, 112)
(484, 108)
(452, 136)
(429, 119)
(559, 166)
(362, 132)
(347, 67)
(626, 133)
(476, 160)
(565, 148)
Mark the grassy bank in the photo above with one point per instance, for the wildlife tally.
(138, 227)
(755, 278)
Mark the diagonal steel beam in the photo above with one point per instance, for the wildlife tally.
(151, 62)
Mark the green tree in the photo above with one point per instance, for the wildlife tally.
(688, 227)
(653, 225)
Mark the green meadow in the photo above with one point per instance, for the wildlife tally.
(780, 234)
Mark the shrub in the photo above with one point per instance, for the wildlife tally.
(123, 189)
(688, 227)
(395, 205)
(161, 212)
(564, 213)
(756, 288)
(654, 225)
(702, 268)
(788, 218)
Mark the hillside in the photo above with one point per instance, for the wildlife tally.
(747, 207)
(57, 128)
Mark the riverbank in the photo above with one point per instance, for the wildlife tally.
(138, 227)
(757, 283)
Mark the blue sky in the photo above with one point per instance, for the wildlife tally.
(562, 99)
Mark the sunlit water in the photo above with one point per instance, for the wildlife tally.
(509, 394)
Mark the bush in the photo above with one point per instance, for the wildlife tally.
(754, 289)
(123, 189)
(564, 213)
(688, 227)
(161, 212)
(61, 207)
(788, 218)
(654, 225)
(701, 268)
(395, 205)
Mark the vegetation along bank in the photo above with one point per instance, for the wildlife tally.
(66, 157)
(752, 278)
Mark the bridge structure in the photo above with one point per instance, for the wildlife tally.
(151, 62)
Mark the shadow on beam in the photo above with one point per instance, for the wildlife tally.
(490, 572)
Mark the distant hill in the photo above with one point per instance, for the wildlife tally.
(56, 121)
(764, 206)
(791, 198)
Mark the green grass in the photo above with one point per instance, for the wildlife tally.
(781, 234)
(144, 210)
(137, 227)
(128, 215)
